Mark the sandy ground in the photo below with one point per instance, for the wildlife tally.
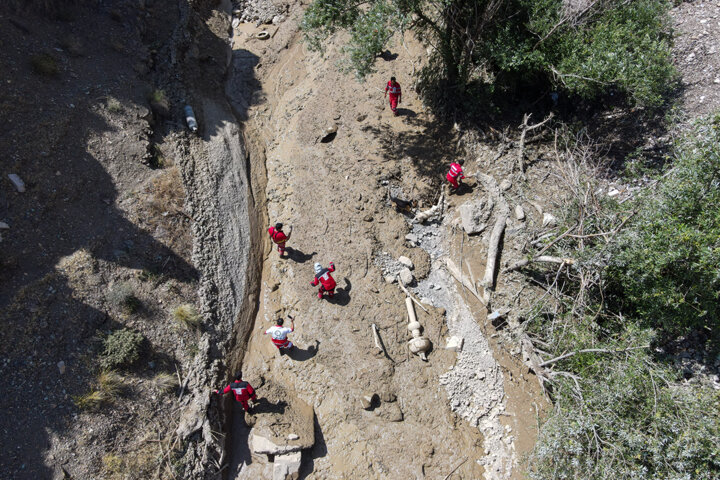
(334, 194)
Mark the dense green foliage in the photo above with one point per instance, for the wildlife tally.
(122, 349)
(588, 50)
(625, 412)
(668, 265)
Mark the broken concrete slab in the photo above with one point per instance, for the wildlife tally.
(287, 466)
(474, 215)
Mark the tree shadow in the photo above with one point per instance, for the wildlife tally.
(319, 450)
(388, 56)
(298, 256)
(342, 294)
(300, 355)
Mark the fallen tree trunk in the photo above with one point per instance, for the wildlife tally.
(503, 212)
(541, 258)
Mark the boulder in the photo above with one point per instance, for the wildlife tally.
(278, 431)
(287, 466)
(455, 344)
(406, 261)
(549, 220)
(474, 215)
(406, 276)
(519, 213)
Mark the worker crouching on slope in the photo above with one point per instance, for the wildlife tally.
(278, 335)
(279, 237)
(393, 88)
(242, 390)
(326, 281)
(454, 176)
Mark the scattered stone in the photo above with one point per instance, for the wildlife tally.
(392, 412)
(4, 226)
(361, 117)
(366, 402)
(406, 261)
(455, 344)
(17, 182)
(287, 466)
(293, 436)
(388, 397)
(368, 218)
(406, 276)
(390, 278)
(613, 192)
(474, 215)
(61, 367)
(505, 185)
(549, 220)
(519, 213)
(495, 315)
(412, 238)
(329, 134)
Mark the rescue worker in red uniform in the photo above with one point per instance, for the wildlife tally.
(326, 281)
(454, 176)
(393, 88)
(278, 335)
(279, 237)
(242, 390)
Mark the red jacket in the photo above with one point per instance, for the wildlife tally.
(393, 90)
(243, 391)
(277, 236)
(455, 172)
(324, 277)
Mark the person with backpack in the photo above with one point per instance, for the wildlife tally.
(326, 281)
(278, 236)
(242, 390)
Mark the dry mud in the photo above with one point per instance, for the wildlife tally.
(432, 417)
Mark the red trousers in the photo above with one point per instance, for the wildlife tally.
(393, 103)
(453, 181)
(281, 248)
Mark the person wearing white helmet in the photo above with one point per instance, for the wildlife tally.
(326, 281)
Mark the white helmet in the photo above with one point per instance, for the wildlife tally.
(318, 268)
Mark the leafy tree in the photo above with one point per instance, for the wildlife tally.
(667, 266)
(586, 47)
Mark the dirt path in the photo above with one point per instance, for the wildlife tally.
(335, 195)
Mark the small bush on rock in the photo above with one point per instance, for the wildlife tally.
(122, 349)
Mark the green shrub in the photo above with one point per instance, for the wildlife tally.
(667, 266)
(122, 349)
(631, 422)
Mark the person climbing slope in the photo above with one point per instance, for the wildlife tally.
(279, 237)
(393, 88)
(454, 176)
(278, 334)
(242, 390)
(326, 281)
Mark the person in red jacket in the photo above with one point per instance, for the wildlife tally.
(279, 237)
(326, 281)
(242, 390)
(454, 176)
(278, 335)
(393, 88)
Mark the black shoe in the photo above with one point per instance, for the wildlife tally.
(282, 351)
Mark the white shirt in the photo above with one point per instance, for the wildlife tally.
(278, 333)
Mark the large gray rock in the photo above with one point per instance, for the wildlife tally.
(278, 433)
(406, 261)
(287, 466)
(474, 215)
(406, 276)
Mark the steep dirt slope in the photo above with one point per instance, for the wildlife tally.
(335, 195)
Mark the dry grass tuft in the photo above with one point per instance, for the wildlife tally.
(165, 382)
(187, 316)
